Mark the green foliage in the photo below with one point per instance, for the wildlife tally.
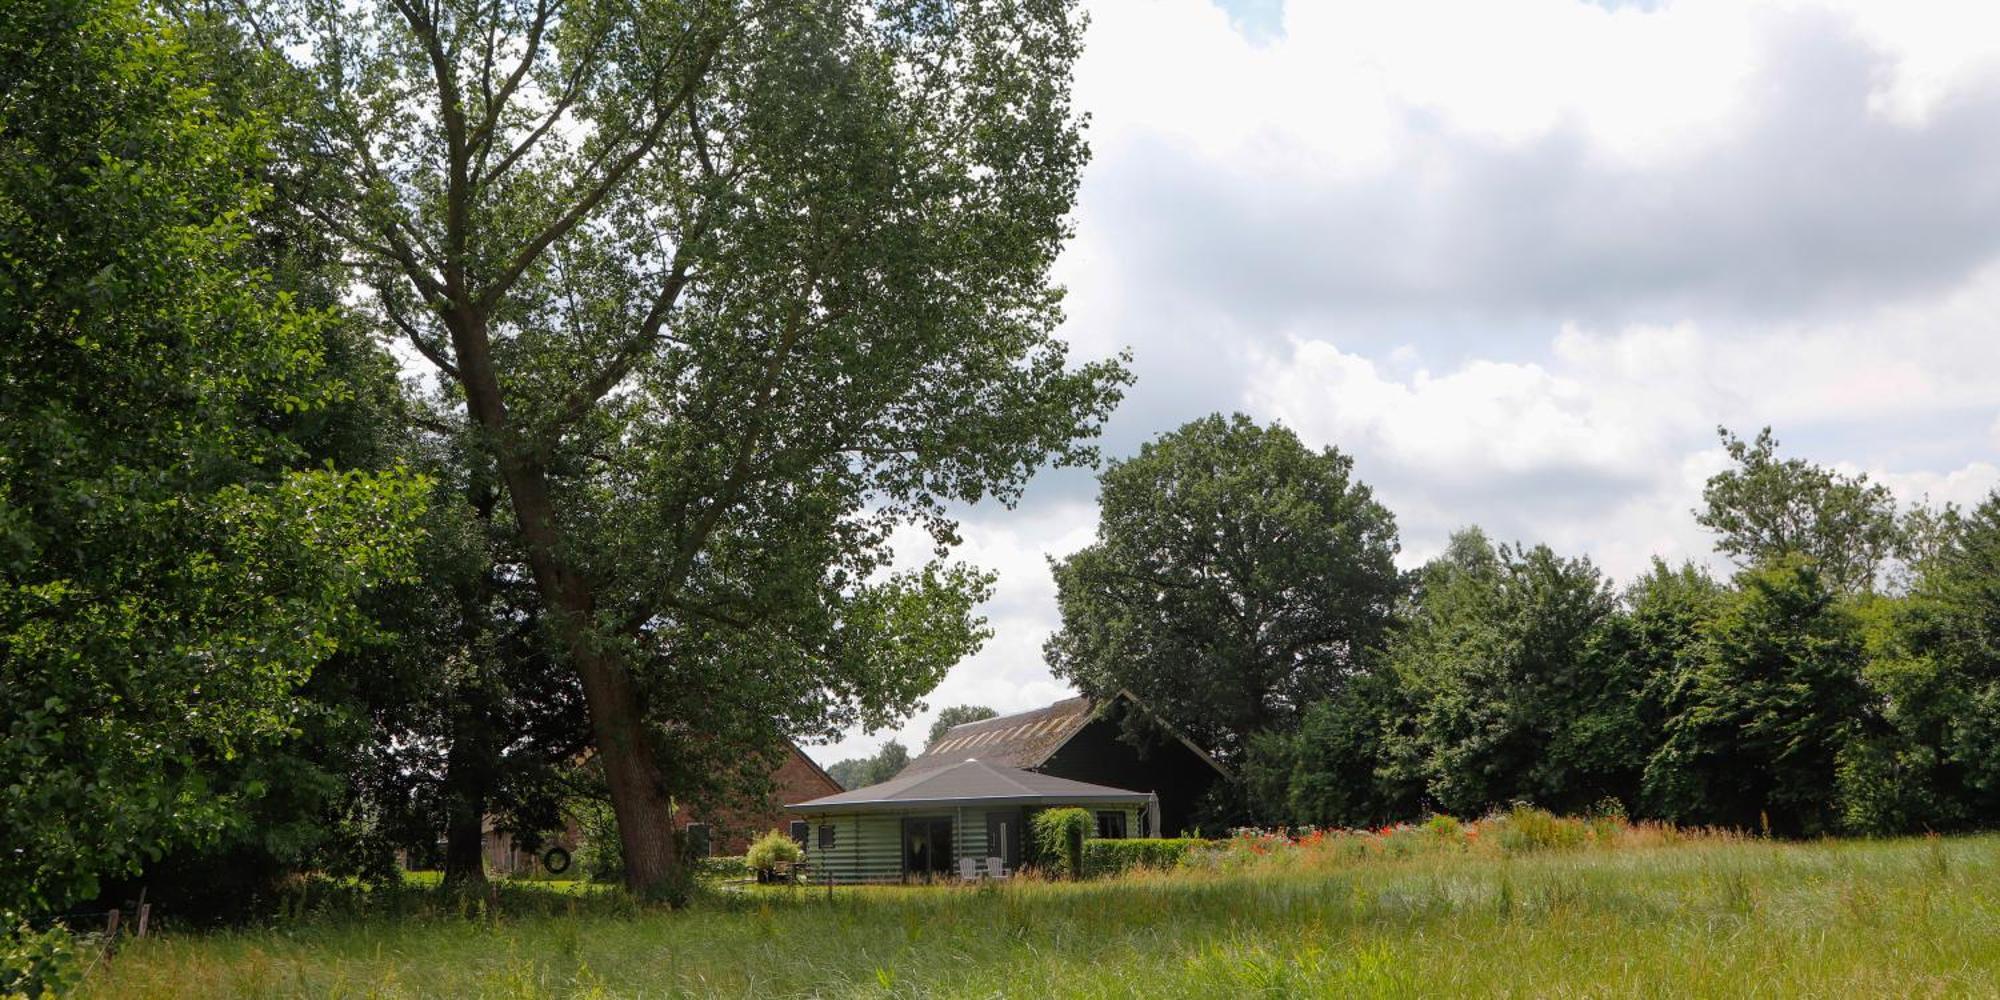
(1766, 509)
(740, 304)
(723, 867)
(1333, 770)
(957, 715)
(172, 567)
(1525, 830)
(1058, 834)
(860, 772)
(1235, 573)
(1703, 917)
(1115, 857)
(35, 964)
(1515, 691)
(599, 856)
(1757, 723)
(771, 850)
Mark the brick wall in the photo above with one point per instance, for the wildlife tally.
(732, 830)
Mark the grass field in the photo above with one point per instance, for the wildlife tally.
(1651, 917)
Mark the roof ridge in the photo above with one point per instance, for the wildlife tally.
(1009, 715)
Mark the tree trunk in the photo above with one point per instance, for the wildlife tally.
(464, 841)
(467, 771)
(639, 796)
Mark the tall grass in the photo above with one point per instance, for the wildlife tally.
(1423, 910)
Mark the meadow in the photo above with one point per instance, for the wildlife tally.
(1425, 911)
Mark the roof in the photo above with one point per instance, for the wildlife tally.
(811, 763)
(966, 782)
(1022, 740)
(1028, 739)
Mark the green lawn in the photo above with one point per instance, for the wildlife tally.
(1726, 918)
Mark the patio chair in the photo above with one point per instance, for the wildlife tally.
(996, 868)
(968, 869)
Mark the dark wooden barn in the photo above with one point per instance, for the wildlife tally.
(1080, 739)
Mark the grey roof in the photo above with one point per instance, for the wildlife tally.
(1028, 739)
(964, 783)
(1023, 740)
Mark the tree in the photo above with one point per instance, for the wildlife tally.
(173, 567)
(1933, 674)
(1335, 768)
(1765, 509)
(1237, 576)
(728, 290)
(957, 715)
(1755, 728)
(860, 772)
(1516, 691)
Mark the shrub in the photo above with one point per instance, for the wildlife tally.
(1525, 829)
(38, 963)
(1058, 834)
(1113, 857)
(724, 867)
(771, 850)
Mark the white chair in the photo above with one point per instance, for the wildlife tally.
(968, 869)
(996, 868)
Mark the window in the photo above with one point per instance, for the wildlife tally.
(1111, 825)
(826, 836)
(697, 840)
(798, 832)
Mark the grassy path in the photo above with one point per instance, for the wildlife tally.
(1895, 918)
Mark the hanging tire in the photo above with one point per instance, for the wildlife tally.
(556, 860)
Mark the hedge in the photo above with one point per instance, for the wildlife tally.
(1056, 833)
(1112, 857)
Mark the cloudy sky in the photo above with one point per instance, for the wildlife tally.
(1519, 259)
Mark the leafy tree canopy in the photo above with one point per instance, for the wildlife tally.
(1237, 576)
(728, 291)
(1516, 694)
(170, 575)
(1765, 508)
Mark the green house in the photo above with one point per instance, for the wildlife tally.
(918, 825)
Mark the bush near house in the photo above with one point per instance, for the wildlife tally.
(1058, 833)
(1116, 857)
(771, 850)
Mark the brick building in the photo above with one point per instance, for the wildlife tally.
(730, 831)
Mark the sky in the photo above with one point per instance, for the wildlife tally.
(1521, 259)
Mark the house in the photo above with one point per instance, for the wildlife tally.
(729, 831)
(1081, 740)
(918, 825)
(722, 831)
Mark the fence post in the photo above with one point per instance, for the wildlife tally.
(145, 910)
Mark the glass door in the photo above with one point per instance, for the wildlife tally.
(927, 846)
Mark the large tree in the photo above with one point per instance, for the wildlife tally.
(174, 562)
(729, 289)
(1237, 576)
(1517, 693)
(1766, 508)
(1757, 722)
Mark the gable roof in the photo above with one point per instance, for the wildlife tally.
(811, 763)
(1028, 739)
(1023, 740)
(965, 782)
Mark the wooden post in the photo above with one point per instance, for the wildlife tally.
(111, 924)
(145, 910)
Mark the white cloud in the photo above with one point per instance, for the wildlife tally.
(1521, 259)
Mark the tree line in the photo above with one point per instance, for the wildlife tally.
(415, 413)
(1842, 679)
